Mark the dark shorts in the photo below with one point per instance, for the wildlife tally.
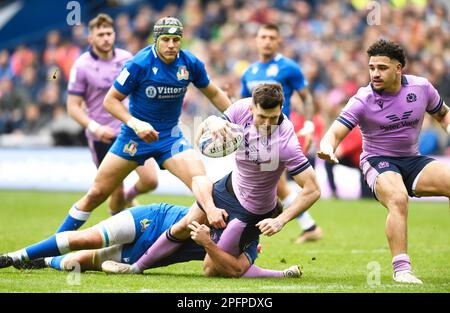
(99, 150)
(241, 223)
(408, 167)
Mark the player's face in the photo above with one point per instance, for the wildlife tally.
(267, 42)
(102, 38)
(265, 120)
(383, 72)
(168, 47)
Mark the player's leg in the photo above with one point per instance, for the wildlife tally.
(118, 229)
(310, 231)
(392, 193)
(433, 180)
(117, 201)
(148, 181)
(111, 173)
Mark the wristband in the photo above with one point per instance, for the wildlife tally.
(93, 126)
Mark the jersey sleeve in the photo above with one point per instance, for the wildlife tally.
(77, 80)
(128, 78)
(244, 89)
(292, 155)
(237, 111)
(350, 114)
(296, 78)
(200, 76)
(435, 102)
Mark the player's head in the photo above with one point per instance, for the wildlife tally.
(168, 32)
(266, 106)
(268, 40)
(101, 33)
(386, 61)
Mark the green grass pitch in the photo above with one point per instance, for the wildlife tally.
(354, 247)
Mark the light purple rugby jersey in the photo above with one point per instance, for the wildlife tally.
(91, 78)
(390, 123)
(261, 160)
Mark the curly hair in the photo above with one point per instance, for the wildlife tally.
(268, 96)
(389, 49)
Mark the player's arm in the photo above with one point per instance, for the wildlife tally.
(443, 117)
(309, 194)
(113, 104)
(331, 140)
(76, 111)
(308, 107)
(217, 262)
(218, 127)
(216, 96)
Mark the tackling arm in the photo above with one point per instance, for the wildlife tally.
(218, 262)
(331, 140)
(216, 96)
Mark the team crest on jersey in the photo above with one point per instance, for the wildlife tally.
(411, 97)
(380, 103)
(130, 148)
(383, 164)
(272, 70)
(144, 224)
(182, 73)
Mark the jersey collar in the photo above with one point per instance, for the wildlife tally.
(95, 56)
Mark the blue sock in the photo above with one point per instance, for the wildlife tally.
(74, 220)
(55, 262)
(55, 245)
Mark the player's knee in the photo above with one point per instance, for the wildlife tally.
(399, 203)
(96, 195)
(150, 183)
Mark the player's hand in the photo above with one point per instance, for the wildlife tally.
(105, 134)
(219, 128)
(144, 130)
(326, 153)
(269, 226)
(200, 233)
(217, 217)
(308, 132)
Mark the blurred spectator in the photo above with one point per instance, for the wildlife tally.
(12, 104)
(5, 65)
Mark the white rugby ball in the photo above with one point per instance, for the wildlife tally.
(221, 146)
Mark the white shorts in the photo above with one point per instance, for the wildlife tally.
(118, 229)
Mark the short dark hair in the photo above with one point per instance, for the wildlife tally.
(268, 96)
(270, 26)
(389, 49)
(101, 20)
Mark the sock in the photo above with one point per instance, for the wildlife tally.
(401, 262)
(52, 246)
(165, 245)
(131, 193)
(289, 199)
(255, 271)
(231, 236)
(306, 221)
(74, 220)
(55, 262)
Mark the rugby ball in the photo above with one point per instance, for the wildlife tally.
(221, 146)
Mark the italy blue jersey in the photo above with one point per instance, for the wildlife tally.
(157, 89)
(280, 70)
(151, 221)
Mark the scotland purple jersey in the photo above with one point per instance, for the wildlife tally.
(390, 123)
(91, 78)
(261, 160)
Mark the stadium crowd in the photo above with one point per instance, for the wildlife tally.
(326, 38)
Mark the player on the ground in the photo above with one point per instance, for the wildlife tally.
(91, 76)
(248, 194)
(126, 236)
(390, 112)
(273, 67)
(156, 80)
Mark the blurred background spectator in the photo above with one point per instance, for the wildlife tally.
(327, 38)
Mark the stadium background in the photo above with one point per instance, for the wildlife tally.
(42, 148)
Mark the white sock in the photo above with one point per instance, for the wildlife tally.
(19, 255)
(289, 199)
(62, 240)
(306, 221)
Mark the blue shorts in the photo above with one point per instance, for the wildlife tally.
(408, 167)
(170, 142)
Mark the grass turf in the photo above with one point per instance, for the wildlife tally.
(353, 248)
